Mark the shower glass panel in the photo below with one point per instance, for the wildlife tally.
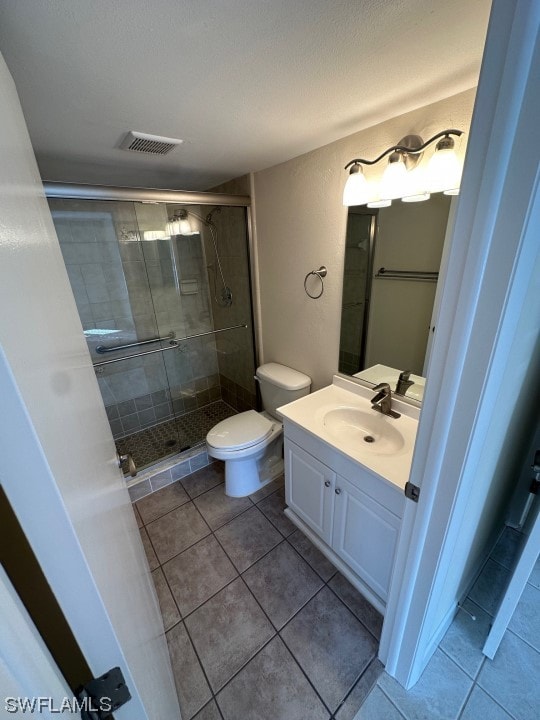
(217, 255)
(133, 283)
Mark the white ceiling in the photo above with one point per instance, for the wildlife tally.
(245, 83)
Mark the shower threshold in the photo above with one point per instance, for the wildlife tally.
(172, 437)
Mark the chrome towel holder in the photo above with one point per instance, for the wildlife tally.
(320, 273)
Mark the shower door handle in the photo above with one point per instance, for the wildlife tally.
(131, 463)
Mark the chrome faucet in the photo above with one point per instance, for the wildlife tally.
(403, 383)
(383, 400)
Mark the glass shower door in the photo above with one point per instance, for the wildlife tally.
(167, 317)
(103, 251)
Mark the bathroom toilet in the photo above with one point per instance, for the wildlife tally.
(251, 443)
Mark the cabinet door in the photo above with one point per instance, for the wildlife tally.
(365, 536)
(309, 489)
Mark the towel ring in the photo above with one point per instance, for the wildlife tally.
(320, 273)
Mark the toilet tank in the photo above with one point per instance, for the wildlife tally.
(280, 385)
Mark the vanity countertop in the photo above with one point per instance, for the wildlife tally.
(341, 415)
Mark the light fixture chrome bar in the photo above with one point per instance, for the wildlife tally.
(386, 274)
(102, 349)
(147, 195)
(404, 149)
(173, 345)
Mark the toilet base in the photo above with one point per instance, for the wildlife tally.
(245, 477)
(249, 469)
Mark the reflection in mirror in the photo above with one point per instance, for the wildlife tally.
(392, 259)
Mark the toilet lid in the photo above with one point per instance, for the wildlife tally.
(240, 431)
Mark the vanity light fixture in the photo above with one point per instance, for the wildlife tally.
(154, 235)
(402, 178)
(179, 224)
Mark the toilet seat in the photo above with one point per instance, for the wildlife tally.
(240, 431)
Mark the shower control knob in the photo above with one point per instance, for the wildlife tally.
(327, 483)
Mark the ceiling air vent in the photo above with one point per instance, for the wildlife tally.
(145, 143)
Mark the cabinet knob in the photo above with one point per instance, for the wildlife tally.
(338, 490)
(327, 483)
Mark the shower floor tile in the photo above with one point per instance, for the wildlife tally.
(224, 641)
(173, 436)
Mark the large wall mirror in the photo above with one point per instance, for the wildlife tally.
(392, 260)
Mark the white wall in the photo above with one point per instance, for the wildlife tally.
(300, 224)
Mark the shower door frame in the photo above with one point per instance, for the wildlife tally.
(77, 191)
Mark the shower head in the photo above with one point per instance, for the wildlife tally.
(216, 209)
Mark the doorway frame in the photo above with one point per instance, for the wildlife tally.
(470, 350)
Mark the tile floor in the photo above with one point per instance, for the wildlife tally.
(459, 682)
(259, 624)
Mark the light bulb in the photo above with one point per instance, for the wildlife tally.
(444, 169)
(394, 179)
(154, 235)
(173, 227)
(415, 189)
(184, 227)
(356, 188)
(179, 225)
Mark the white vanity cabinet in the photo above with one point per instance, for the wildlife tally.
(351, 515)
(310, 490)
(346, 467)
(365, 535)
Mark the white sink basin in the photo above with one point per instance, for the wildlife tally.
(341, 415)
(371, 432)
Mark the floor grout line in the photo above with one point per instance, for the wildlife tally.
(353, 613)
(499, 563)
(304, 673)
(497, 702)
(466, 700)
(203, 671)
(391, 701)
(515, 634)
(454, 662)
(359, 678)
(307, 561)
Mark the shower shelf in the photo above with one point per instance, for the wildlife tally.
(173, 345)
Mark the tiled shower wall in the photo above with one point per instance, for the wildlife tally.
(127, 290)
